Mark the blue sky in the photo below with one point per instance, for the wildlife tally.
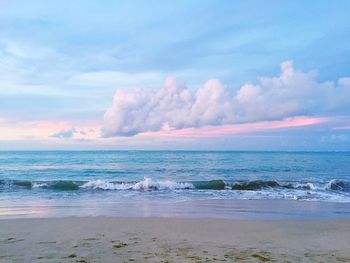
(61, 63)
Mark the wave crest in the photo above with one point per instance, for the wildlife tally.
(338, 185)
(146, 184)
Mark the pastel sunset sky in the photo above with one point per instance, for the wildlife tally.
(202, 75)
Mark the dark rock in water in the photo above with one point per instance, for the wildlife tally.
(213, 184)
(254, 185)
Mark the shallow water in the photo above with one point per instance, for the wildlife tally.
(103, 182)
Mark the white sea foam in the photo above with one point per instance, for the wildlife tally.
(310, 186)
(39, 185)
(105, 185)
(146, 184)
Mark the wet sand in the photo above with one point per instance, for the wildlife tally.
(258, 210)
(113, 239)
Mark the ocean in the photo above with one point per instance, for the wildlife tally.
(227, 184)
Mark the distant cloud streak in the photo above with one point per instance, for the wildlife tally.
(74, 133)
(65, 133)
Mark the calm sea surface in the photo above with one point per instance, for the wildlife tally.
(174, 183)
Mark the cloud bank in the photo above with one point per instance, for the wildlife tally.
(174, 106)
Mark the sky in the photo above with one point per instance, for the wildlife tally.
(173, 75)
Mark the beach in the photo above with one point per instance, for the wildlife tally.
(174, 131)
(174, 206)
(118, 239)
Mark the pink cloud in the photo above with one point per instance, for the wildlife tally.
(214, 131)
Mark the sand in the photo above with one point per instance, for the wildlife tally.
(108, 239)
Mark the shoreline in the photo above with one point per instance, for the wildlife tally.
(117, 239)
(278, 210)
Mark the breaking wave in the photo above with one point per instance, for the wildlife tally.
(149, 184)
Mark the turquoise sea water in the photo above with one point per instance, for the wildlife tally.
(55, 183)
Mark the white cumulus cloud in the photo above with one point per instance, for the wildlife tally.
(174, 106)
